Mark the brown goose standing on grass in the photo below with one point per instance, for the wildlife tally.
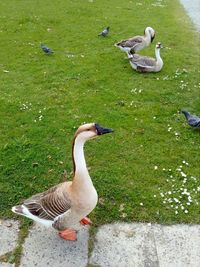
(147, 64)
(67, 203)
(137, 43)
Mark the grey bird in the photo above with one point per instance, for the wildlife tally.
(193, 120)
(46, 49)
(105, 32)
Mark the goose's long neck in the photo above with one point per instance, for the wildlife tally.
(147, 36)
(157, 52)
(80, 168)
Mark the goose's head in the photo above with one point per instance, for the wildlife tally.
(90, 130)
(159, 45)
(151, 32)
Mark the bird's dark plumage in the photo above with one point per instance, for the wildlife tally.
(193, 120)
(105, 32)
(46, 49)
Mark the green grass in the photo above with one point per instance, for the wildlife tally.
(97, 84)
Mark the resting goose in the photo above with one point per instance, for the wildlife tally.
(67, 203)
(147, 64)
(137, 43)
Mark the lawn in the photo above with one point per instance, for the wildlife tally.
(148, 169)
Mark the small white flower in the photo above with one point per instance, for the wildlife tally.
(154, 117)
(163, 169)
(141, 204)
(176, 212)
(176, 200)
(183, 174)
(169, 192)
(186, 211)
(155, 167)
(188, 203)
(162, 195)
(154, 195)
(198, 189)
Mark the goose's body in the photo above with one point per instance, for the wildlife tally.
(147, 64)
(137, 43)
(67, 203)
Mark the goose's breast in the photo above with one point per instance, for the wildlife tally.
(85, 202)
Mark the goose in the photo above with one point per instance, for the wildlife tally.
(67, 203)
(193, 120)
(147, 64)
(137, 43)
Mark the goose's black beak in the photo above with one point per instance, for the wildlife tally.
(101, 130)
(152, 38)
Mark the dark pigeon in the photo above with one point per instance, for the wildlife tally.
(46, 49)
(193, 120)
(105, 32)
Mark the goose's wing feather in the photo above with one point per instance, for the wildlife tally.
(49, 204)
(143, 61)
(132, 42)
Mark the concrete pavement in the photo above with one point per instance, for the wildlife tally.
(115, 245)
(192, 7)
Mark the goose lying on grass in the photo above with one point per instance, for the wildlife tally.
(147, 64)
(67, 203)
(193, 120)
(137, 43)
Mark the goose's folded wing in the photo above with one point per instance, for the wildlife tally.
(50, 204)
(144, 61)
(132, 42)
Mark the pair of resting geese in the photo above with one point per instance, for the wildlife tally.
(137, 43)
(68, 203)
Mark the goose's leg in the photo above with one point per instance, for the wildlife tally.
(68, 234)
(85, 221)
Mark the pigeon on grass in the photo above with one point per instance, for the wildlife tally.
(46, 49)
(193, 120)
(105, 32)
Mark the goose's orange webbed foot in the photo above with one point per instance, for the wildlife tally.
(68, 234)
(85, 221)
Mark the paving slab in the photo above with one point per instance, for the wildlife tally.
(6, 264)
(146, 245)
(44, 248)
(8, 235)
(125, 245)
(193, 9)
(178, 245)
